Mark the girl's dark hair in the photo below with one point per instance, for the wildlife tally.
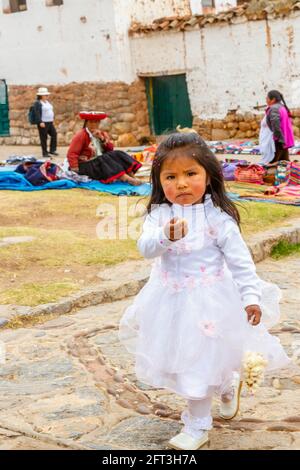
(84, 124)
(39, 97)
(193, 146)
(278, 97)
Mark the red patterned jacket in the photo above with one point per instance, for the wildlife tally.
(80, 149)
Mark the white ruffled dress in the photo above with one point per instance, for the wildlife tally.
(187, 326)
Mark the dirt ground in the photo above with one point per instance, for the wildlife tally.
(34, 150)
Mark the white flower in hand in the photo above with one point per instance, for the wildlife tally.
(253, 370)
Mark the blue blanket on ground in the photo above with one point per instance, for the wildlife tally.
(10, 180)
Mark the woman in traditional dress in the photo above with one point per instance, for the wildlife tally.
(100, 161)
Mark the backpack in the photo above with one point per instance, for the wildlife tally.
(32, 118)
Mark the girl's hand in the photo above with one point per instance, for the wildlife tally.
(176, 229)
(254, 314)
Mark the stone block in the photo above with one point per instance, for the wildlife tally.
(69, 136)
(121, 128)
(244, 126)
(126, 140)
(218, 125)
(248, 117)
(219, 134)
(125, 117)
(250, 134)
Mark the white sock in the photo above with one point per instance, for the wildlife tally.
(197, 418)
(200, 408)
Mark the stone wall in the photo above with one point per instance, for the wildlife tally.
(237, 126)
(125, 104)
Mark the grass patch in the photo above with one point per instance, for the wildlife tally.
(33, 294)
(260, 216)
(63, 248)
(25, 321)
(284, 248)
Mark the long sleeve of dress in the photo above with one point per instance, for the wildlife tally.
(153, 241)
(240, 263)
(274, 117)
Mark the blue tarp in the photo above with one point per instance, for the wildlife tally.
(10, 180)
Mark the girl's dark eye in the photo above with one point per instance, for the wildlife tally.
(191, 173)
(170, 177)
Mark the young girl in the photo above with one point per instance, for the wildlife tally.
(201, 309)
(278, 119)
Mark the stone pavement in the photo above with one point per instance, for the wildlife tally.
(69, 384)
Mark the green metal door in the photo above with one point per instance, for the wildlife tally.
(4, 119)
(168, 103)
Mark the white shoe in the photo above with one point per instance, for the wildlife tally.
(229, 409)
(184, 441)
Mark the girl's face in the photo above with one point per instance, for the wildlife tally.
(183, 180)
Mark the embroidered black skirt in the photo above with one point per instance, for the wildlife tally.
(109, 166)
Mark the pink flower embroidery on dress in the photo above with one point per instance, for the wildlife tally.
(179, 248)
(208, 327)
(190, 281)
(209, 279)
(176, 286)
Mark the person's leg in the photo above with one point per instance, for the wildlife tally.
(53, 136)
(129, 179)
(129, 164)
(277, 152)
(43, 140)
(197, 421)
(285, 155)
(281, 153)
(87, 168)
(197, 418)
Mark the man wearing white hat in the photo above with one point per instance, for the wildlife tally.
(44, 119)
